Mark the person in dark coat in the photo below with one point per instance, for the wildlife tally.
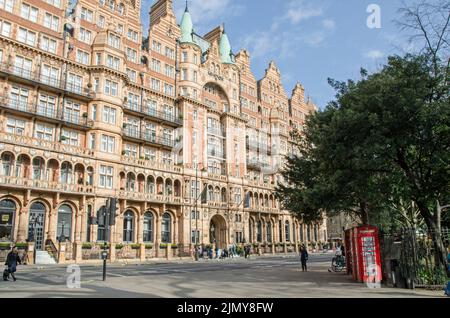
(11, 261)
(304, 258)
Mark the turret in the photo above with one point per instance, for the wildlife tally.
(226, 54)
(187, 27)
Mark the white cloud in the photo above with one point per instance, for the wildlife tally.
(374, 54)
(299, 10)
(329, 24)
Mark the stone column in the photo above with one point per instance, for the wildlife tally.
(142, 252)
(77, 231)
(30, 253)
(52, 223)
(140, 229)
(169, 251)
(22, 227)
(158, 235)
(62, 253)
(83, 228)
(78, 250)
(112, 252)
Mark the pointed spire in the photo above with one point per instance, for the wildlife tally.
(226, 54)
(187, 27)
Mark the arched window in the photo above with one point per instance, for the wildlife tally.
(7, 163)
(66, 173)
(128, 227)
(121, 8)
(64, 229)
(148, 227)
(259, 232)
(150, 184)
(210, 194)
(38, 168)
(287, 231)
(165, 228)
(90, 176)
(269, 232)
(224, 195)
(131, 181)
(7, 213)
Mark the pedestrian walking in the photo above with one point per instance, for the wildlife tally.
(304, 258)
(11, 261)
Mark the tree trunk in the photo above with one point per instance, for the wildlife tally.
(436, 235)
(364, 212)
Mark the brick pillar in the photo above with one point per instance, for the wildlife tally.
(169, 251)
(158, 236)
(78, 250)
(112, 252)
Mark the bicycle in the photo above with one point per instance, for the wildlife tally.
(337, 264)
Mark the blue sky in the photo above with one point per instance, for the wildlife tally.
(310, 40)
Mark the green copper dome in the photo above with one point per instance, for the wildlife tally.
(187, 27)
(226, 55)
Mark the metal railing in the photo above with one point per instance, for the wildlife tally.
(46, 80)
(36, 109)
(149, 137)
(151, 112)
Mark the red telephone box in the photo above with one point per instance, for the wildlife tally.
(363, 253)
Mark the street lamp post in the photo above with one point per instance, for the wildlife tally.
(62, 237)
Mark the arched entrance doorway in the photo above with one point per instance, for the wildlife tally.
(218, 231)
(36, 225)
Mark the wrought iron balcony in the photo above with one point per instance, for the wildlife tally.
(148, 137)
(33, 109)
(27, 75)
(154, 114)
(257, 164)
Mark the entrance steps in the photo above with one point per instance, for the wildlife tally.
(44, 258)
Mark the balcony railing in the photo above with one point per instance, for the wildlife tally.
(151, 164)
(34, 109)
(44, 144)
(256, 163)
(149, 138)
(148, 197)
(46, 80)
(256, 144)
(8, 181)
(153, 113)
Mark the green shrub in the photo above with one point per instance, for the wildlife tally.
(21, 246)
(163, 245)
(135, 246)
(87, 246)
(174, 246)
(119, 246)
(5, 246)
(148, 246)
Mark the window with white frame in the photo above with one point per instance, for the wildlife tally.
(28, 12)
(168, 89)
(5, 28)
(113, 62)
(132, 75)
(156, 46)
(155, 84)
(184, 56)
(18, 97)
(169, 71)
(83, 57)
(130, 150)
(170, 53)
(114, 40)
(44, 132)
(15, 126)
(119, 28)
(51, 21)
(101, 21)
(46, 105)
(56, 3)
(167, 157)
(70, 137)
(72, 112)
(7, 5)
(111, 88)
(85, 35)
(109, 115)
(22, 66)
(106, 174)
(131, 55)
(74, 83)
(108, 144)
(150, 154)
(86, 14)
(132, 35)
(156, 65)
(48, 44)
(27, 37)
(91, 141)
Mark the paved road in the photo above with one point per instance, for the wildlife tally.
(234, 278)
